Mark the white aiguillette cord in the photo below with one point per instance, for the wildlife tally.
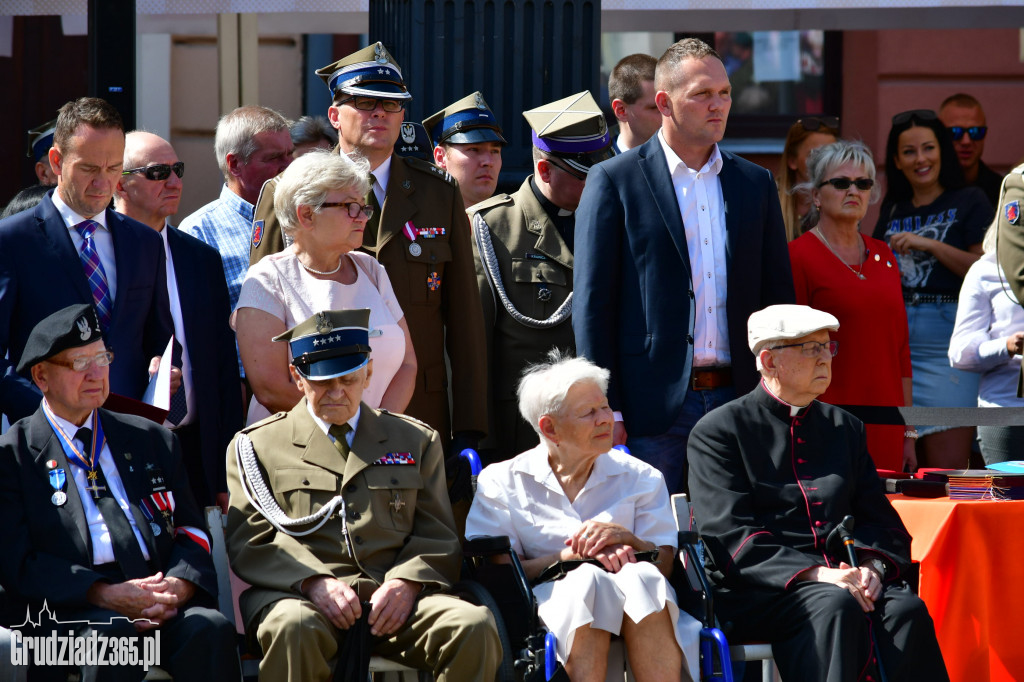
(266, 505)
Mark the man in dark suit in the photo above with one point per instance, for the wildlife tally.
(71, 249)
(677, 243)
(207, 411)
(99, 523)
(419, 233)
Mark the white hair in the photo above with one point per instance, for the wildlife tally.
(310, 178)
(544, 386)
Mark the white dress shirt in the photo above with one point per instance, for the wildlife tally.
(381, 175)
(699, 194)
(102, 549)
(101, 238)
(179, 333)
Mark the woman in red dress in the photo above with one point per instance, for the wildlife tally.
(855, 277)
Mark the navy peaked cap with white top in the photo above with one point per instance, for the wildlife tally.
(330, 344)
(370, 72)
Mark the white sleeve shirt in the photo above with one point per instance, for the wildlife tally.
(699, 194)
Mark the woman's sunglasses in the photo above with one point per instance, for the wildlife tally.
(815, 123)
(920, 114)
(843, 184)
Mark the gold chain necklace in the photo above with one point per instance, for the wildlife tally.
(860, 266)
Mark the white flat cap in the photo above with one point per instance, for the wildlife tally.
(777, 322)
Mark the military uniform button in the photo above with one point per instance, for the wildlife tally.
(394, 481)
(305, 481)
(351, 488)
(355, 516)
(359, 539)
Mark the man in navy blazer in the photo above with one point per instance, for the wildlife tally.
(677, 243)
(149, 191)
(41, 269)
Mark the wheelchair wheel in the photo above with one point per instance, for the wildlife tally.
(476, 594)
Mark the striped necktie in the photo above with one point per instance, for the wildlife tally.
(94, 272)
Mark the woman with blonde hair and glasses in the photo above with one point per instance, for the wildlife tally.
(854, 277)
(319, 203)
(804, 136)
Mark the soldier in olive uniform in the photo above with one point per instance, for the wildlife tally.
(467, 143)
(339, 512)
(524, 245)
(421, 237)
(1010, 238)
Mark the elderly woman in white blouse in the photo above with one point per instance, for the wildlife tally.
(574, 497)
(988, 337)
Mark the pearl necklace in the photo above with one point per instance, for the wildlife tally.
(860, 266)
(322, 272)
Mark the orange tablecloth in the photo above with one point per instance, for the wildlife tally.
(972, 579)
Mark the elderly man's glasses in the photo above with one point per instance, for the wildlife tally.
(84, 362)
(843, 184)
(812, 349)
(974, 132)
(159, 171)
(392, 106)
(354, 208)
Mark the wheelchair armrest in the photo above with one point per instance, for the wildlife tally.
(487, 546)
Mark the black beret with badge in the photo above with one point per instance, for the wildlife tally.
(330, 344)
(71, 327)
(573, 129)
(369, 72)
(467, 121)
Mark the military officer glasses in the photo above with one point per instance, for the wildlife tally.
(843, 184)
(159, 171)
(812, 349)
(392, 106)
(974, 132)
(354, 208)
(84, 362)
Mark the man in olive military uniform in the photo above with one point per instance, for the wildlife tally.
(339, 513)
(467, 143)
(524, 245)
(1010, 244)
(420, 235)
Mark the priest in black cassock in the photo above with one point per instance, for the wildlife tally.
(771, 476)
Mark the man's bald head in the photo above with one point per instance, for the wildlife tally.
(139, 197)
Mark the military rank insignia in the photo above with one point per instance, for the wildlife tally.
(433, 281)
(396, 458)
(1012, 211)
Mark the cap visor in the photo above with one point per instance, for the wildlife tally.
(333, 368)
(474, 136)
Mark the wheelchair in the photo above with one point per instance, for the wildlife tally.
(529, 649)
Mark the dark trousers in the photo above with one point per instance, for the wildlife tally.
(819, 633)
(197, 644)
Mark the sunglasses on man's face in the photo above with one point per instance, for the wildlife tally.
(974, 132)
(158, 171)
(815, 123)
(920, 114)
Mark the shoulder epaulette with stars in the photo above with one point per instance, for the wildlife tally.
(406, 417)
(427, 167)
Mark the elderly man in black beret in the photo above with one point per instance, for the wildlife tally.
(99, 522)
(772, 474)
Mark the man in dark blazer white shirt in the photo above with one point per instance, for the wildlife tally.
(100, 526)
(42, 268)
(211, 412)
(677, 243)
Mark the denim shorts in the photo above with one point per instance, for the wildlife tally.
(936, 383)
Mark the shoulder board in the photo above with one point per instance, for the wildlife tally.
(496, 200)
(406, 417)
(427, 167)
(263, 422)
